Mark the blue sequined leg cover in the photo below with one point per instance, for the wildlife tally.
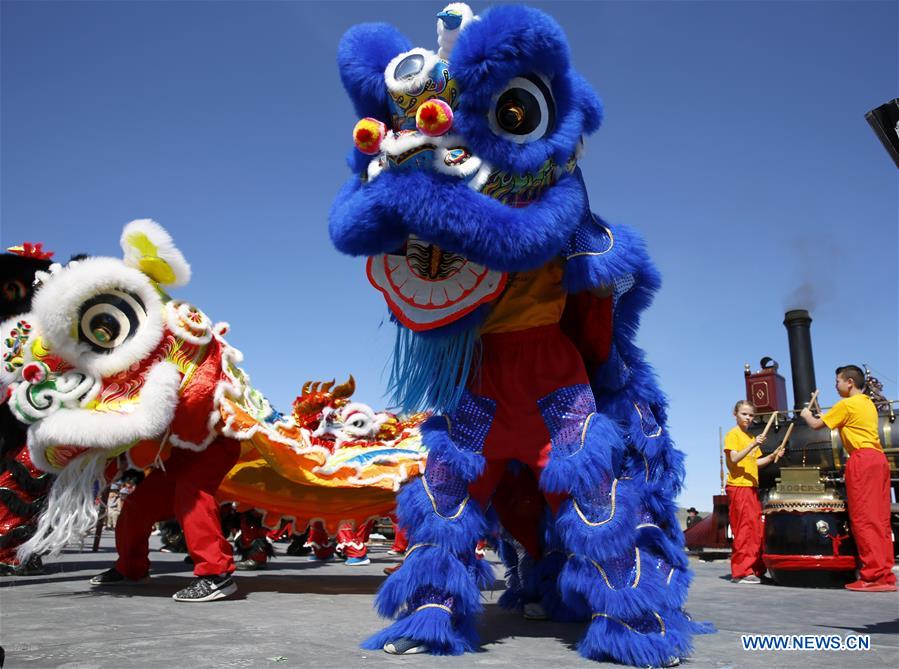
(625, 570)
(435, 596)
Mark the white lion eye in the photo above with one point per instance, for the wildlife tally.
(524, 111)
(107, 320)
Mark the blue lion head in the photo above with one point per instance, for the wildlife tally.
(466, 159)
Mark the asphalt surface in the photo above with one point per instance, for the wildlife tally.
(303, 614)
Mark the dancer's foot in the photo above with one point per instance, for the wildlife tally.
(114, 577)
(405, 646)
(534, 611)
(207, 589)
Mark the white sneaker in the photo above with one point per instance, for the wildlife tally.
(405, 646)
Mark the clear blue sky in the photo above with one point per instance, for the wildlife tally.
(735, 140)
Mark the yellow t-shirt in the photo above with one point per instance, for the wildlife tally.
(856, 419)
(744, 473)
(530, 299)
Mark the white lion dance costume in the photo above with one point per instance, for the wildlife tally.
(516, 310)
(109, 372)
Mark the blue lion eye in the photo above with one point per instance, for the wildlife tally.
(408, 67)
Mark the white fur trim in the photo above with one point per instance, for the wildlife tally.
(165, 249)
(71, 509)
(58, 301)
(86, 428)
(446, 38)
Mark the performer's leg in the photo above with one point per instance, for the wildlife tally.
(400, 540)
(351, 539)
(196, 509)
(757, 533)
(868, 494)
(319, 541)
(150, 502)
(743, 506)
(254, 545)
(436, 593)
(626, 568)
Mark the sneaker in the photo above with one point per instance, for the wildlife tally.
(390, 570)
(250, 565)
(405, 646)
(207, 589)
(534, 611)
(114, 577)
(394, 553)
(316, 558)
(752, 579)
(868, 586)
(357, 561)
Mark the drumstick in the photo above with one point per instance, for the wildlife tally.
(768, 426)
(813, 401)
(787, 436)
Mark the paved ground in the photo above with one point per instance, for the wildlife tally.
(301, 614)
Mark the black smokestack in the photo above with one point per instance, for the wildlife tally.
(798, 323)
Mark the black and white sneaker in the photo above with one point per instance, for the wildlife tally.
(405, 646)
(114, 577)
(207, 589)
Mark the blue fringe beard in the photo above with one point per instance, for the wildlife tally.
(429, 371)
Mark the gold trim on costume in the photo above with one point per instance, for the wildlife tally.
(449, 427)
(642, 525)
(434, 606)
(646, 462)
(632, 629)
(415, 547)
(658, 431)
(596, 253)
(670, 574)
(583, 433)
(601, 522)
(458, 513)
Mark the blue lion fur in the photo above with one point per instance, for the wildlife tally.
(607, 639)
(362, 56)
(434, 627)
(653, 540)
(581, 576)
(611, 538)
(430, 566)
(627, 255)
(507, 42)
(436, 438)
(599, 458)
(425, 526)
(377, 218)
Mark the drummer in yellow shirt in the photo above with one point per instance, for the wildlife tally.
(867, 479)
(744, 457)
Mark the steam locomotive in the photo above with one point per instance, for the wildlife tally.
(807, 537)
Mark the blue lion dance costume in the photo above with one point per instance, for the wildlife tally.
(517, 309)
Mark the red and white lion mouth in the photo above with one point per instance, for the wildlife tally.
(426, 287)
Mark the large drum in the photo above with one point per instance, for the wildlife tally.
(808, 541)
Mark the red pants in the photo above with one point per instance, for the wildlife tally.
(745, 514)
(519, 369)
(184, 490)
(868, 495)
(400, 540)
